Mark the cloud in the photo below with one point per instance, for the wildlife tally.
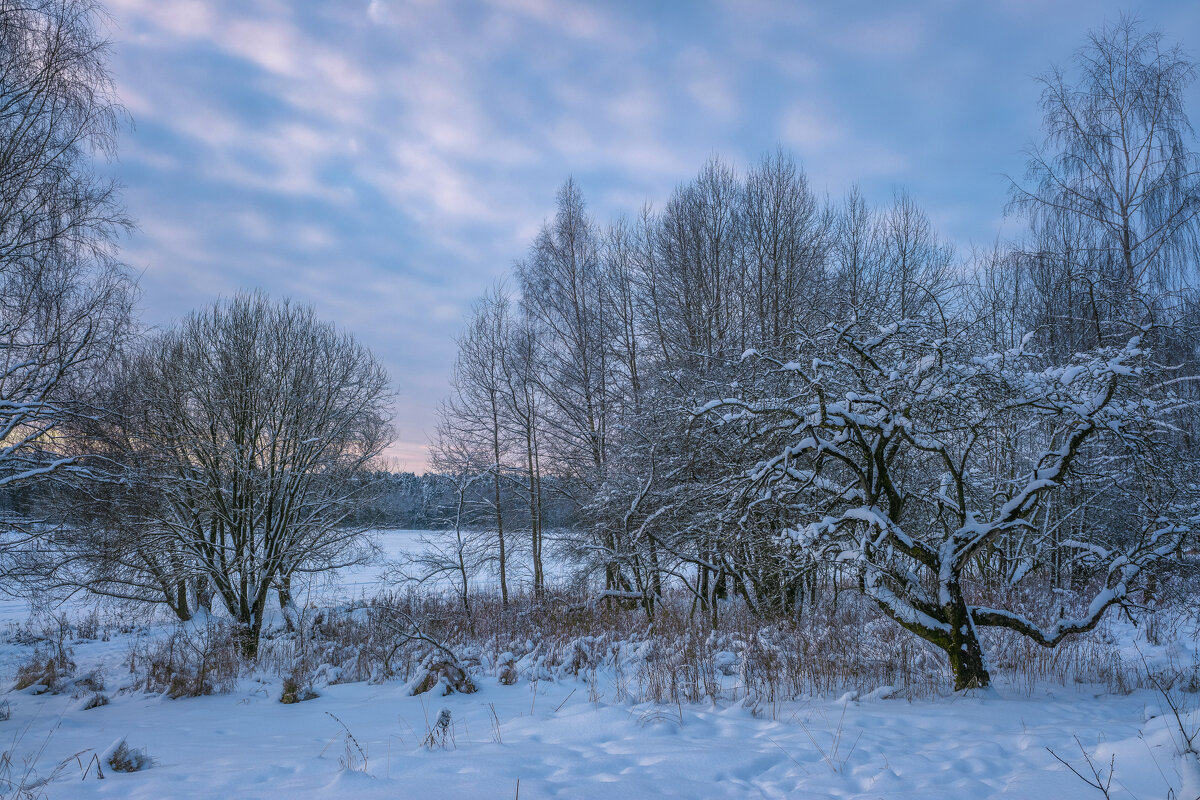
(379, 12)
(577, 20)
(387, 159)
(836, 150)
(884, 36)
(709, 82)
(809, 129)
(182, 18)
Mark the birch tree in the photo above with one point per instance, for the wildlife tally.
(64, 298)
(478, 402)
(1118, 155)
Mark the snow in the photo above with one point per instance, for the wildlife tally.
(558, 744)
(573, 738)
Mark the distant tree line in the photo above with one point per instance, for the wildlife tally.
(407, 501)
(396, 500)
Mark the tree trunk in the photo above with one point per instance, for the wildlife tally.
(958, 639)
(203, 591)
(962, 644)
(499, 508)
(500, 537)
(245, 636)
(287, 604)
(966, 662)
(180, 604)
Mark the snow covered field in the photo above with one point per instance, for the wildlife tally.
(572, 738)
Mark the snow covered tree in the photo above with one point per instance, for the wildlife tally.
(881, 446)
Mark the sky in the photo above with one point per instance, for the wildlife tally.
(387, 161)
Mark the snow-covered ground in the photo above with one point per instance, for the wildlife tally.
(571, 738)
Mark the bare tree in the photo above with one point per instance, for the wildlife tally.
(916, 262)
(566, 300)
(254, 426)
(108, 541)
(460, 457)
(524, 417)
(697, 280)
(64, 300)
(787, 240)
(563, 294)
(857, 256)
(623, 249)
(1118, 155)
(477, 404)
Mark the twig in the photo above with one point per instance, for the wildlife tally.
(564, 702)
(1097, 781)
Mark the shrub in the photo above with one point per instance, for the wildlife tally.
(191, 662)
(49, 671)
(442, 676)
(296, 691)
(441, 732)
(95, 701)
(123, 758)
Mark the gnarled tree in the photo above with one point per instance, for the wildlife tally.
(881, 445)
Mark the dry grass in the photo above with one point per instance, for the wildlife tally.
(190, 662)
(834, 647)
(841, 643)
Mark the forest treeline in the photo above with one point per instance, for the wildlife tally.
(397, 500)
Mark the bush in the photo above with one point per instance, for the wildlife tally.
(441, 732)
(88, 628)
(441, 676)
(191, 662)
(123, 758)
(49, 671)
(95, 701)
(295, 691)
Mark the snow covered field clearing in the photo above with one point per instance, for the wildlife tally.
(557, 743)
(578, 737)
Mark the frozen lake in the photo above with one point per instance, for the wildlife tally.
(395, 567)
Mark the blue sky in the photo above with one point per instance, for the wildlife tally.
(386, 160)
